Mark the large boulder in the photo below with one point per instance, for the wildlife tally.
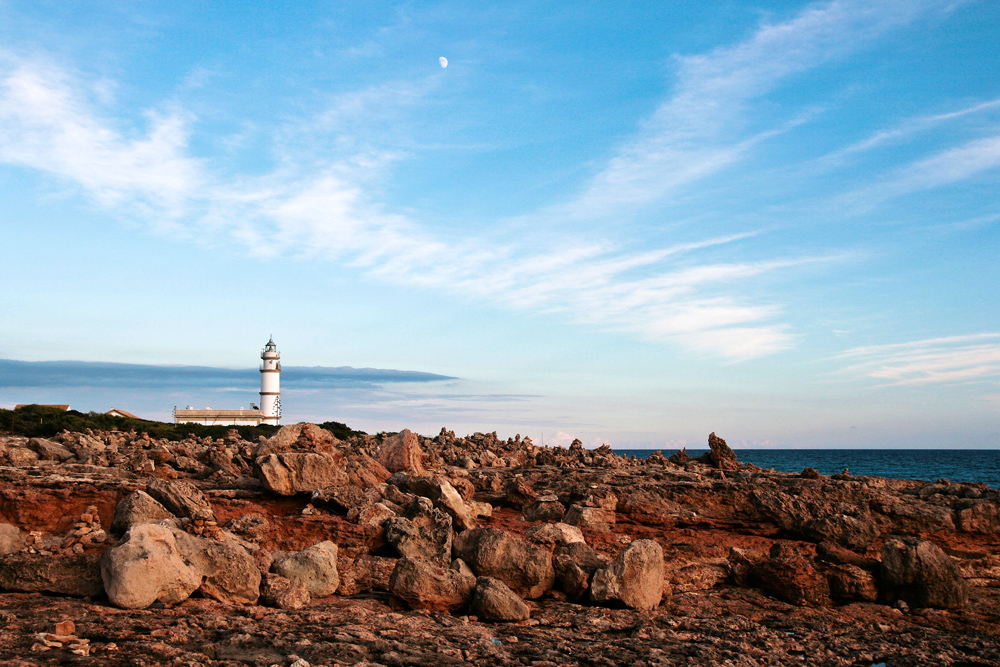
(177, 496)
(229, 572)
(402, 453)
(298, 438)
(919, 573)
(849, 582)
(423, 585)
(316, 567)
(524, 567)
(791, 577)
(634, 578)
(494, 601)
(135, 508)
(76, 575)
(146, 567)
(289, 473)
(10, 539)
(278, 591)
(422, 532)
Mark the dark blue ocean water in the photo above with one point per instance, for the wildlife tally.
(956, 465)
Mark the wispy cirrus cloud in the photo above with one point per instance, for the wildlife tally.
(941, 169)
(703, 126)
(910, 127)
(323, 205)
(946, 360)
(665, 294)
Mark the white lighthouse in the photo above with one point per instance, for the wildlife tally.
(270, 391)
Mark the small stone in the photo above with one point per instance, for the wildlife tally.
(65, 628)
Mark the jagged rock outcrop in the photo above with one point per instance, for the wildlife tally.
(422, 532)
(279, 591)
(73, 574)
(574, 564)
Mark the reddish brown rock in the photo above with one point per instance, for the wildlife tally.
(401, 453)
(919, 573)
(634, 578)
(524, 567)
(421, 584)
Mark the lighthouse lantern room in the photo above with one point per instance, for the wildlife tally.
(270, 386)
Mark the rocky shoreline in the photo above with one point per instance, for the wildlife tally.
(302, 549)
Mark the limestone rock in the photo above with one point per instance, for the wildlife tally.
(10, 539)
(422, 532)
(298, 438)
(146, 567)
(849, 582)
(22, 457)
(919, 573)
(228, 571)
(424, 585)
(278, 591)
(295, 472)
(49, 450)
(597, 519)
(316, 567)
(375, 515)
(177, 496)
(634, 578)
(401, 452)
(494, 601)
(575, 564)
(544, 508)
(853, 532)
(524, 567)
(555, 533)
(136, 508)
(76, 575)
(253, 527)
(791, 577)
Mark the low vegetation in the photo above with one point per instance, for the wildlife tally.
(39, 421)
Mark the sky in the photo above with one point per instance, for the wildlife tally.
(628, 223)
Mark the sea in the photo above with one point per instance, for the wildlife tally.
(955, 465)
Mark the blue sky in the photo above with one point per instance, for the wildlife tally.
(630, 223)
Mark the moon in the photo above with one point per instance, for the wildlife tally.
(443, 61)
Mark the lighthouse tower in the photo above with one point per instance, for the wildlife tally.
(270, 392)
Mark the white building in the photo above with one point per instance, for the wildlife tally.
(270, 399)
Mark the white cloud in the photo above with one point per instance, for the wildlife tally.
(48, 124)
(701, 128)
(944, 168)
(948, 360)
